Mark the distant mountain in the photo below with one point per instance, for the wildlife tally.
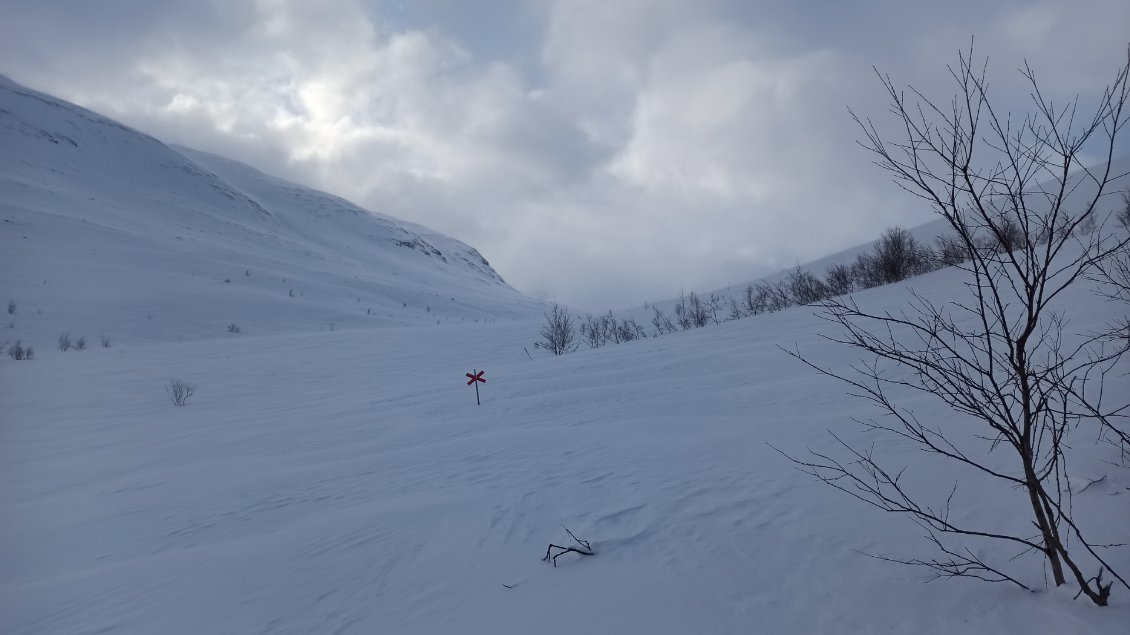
(106, 230)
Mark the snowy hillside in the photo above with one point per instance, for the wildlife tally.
(109, 232)
(926, 234)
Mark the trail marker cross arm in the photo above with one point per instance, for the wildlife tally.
(472, 378)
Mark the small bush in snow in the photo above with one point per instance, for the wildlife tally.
(662, 322)
(19, 353)
(11, 307)
(950, 251)
(233, 328)
(105, 342)
(65, 342)
(80, 344)
(179, 391)
(559, 334)
(806, 288)
(896, 257)
(839, 279)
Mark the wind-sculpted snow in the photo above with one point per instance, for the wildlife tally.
(347, 482)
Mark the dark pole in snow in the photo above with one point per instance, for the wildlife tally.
(474, 377)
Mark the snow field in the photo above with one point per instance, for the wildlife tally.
(346, 482)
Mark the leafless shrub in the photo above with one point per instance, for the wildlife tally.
(1086, 226)
(774, 296)
(80, 343)
(736, 311)
(11, 307)
(65, 342)
(700, 313)
(839, 279)
(233, 328)
(895, 257)
(806, 288)
(1005, 235)
(105, 342)
(606, 329)
(683, 313)
(179, 391)
(951, 251)
(1000, 356)
(631, 330)
(559, 333)
(19, 353)
(591, 332)
(662, 322)
(750, 303)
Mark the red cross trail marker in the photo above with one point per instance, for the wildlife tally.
(475, 377)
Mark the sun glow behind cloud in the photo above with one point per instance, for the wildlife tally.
(599, 153)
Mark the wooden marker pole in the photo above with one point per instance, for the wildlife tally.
(475, 377)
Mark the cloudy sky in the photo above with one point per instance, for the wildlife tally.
(600, 153)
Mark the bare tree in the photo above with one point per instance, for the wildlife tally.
(662, 322)
(699, 311)
(777, 296)
(19, 353)
(751, 301)
(1001, 357)
(559, 333)
(736, 312)
(839, 279)
(683, 312)
(806, 288)
(179, 391)
(591, 332)
(950, 251)
(896, 256)
(714, 305)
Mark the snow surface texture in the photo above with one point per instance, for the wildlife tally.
(345, 482)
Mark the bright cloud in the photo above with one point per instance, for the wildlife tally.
(600, 153)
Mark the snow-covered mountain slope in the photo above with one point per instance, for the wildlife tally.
(346, 482)
(1080, 190)
(108, 231)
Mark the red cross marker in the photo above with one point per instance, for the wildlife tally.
(476, 377)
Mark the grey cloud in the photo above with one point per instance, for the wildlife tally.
(600, 153)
